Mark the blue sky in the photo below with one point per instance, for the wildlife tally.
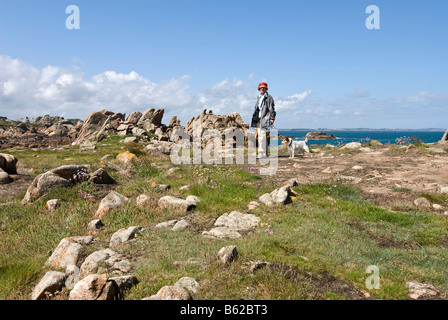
(323, 66)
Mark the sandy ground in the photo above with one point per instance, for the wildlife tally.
(376, 171)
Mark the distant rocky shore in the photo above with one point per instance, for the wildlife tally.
(54, 131)
(48, 131)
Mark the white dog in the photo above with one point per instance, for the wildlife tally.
(293, 145)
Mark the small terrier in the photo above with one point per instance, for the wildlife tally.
(293, 145)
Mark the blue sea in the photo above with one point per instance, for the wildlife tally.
(383, 136)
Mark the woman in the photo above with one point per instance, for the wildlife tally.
(263, 117)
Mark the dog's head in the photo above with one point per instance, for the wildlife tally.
(287, 141)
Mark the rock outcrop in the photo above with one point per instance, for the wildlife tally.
(44, 132)
(444, 139)
(319, 136)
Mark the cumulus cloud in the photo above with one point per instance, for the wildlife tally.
(28, 91)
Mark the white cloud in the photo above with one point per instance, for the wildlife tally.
(28, 91)
(291, 102)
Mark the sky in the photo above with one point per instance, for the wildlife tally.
(324, 67)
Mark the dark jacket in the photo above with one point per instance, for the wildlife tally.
(267, 112)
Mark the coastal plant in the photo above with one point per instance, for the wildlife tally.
(403, 140)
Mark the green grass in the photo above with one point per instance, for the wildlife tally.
(327, 229)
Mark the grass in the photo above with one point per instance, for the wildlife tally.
(328, 230)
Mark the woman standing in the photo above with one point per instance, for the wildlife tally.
(263, 117)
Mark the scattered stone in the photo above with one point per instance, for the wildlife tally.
(173, 293)
(352, 145)
(334, 169)
(94, 287)
(278, 196)
(142, 199)
(355, 180)
(422, 203)
(253, 205)
(5, 178)
(193, 200)
(72, 273)
(232, 225)
(252, 266)
(124, 283)
(444, 189)
(123, 235)
(176, 204)
(68, 252)
(238, 221)
(189, 262)
(228, 254)
(94, 227)
(422, 291)
(357, 168)
(188, 283)
(266, 199)
(51, 282)
(292, 183)
(130, 139)
(105, 261)
(167, 224)
(180, 225)
(51, 204)
(187, 187)
(112, 200)
(126, 157)
(281, 195)
(161, 187)
(222, 233)
(100, 176)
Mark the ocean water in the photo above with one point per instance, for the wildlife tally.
(383, 136)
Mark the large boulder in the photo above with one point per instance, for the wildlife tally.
(208, 120)
(8, 163)
(63, 176)
(134, 117)
(444, 138)
(42, 184)
(319, 136)
(91, 128)
(151, 119)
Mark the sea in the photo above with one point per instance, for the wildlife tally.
(365, 136)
